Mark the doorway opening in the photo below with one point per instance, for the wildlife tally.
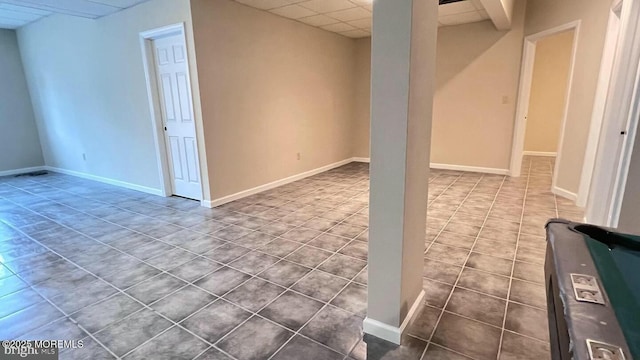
(171, 105)
(543, 98)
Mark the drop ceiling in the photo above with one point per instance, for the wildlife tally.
(17, 13)
(352, 18)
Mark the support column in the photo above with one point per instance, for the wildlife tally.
(402, 86)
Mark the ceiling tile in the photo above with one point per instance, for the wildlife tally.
(318, 20)
(12, 23)
(339, 27)
(458, 19)
(19, 15)
(367, 4)
(477, 4)
(362, 23)
(80, 8)
(325, 6)
(29, 10)
(293, 11)
(122, 4)
(355, 13)
(267, 4)
(356, 33)
(456, 8)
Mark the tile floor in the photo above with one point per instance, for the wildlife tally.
(279, 275)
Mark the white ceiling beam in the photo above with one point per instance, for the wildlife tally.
(500, 12)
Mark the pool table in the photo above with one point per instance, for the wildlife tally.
(593, 292)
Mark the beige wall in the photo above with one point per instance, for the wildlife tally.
(477, 72)
(87, 83)
(593, 14)
(270, 88)
(19, 143)
(477, 68)
(548, 92)
(362, 101)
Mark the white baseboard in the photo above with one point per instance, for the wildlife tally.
(391, 333)
(564, 193)
(274, 184)
(361, 159)
(539, 153)
(21, 171)
(105, 180)
(469, 168)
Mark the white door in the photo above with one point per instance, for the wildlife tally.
(177, 115)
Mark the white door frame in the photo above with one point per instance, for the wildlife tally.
(524, 93)
(621, 114)
(146, 38)
(606, 81)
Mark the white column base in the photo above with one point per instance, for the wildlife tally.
(392, 333)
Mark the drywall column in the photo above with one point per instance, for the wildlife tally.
(402, 88)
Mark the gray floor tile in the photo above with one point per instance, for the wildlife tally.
(26, 320)
(284, 273)
(91, 350)
(291, 310)
(221, 281)
(518, 347)
(195, 269)
(448, 254)
(155, 288)
(484, 282)
(216, 320)
(468, 337)
(490, 264)
(329, 242)
(280, 247)
(302, 348)
(171, 259)
(528, 293)
(132, 331)
(254, 294)
(353, 299)
(309, 256)
(98, 316)
(440, 271)
(529, 272)
(320, 285)
(435, 352)
(265, 336)
(175, 343)
(253, 262)
(17, 301)
(124, 279)
(436, 293)
(183, 303)
(373, 348)
(477, 306)
(343, 266)
(335, 328)
(528, 321)
(227, 253)
(424, 322)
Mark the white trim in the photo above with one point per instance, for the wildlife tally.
(564, 193)
(539, 153)
(21, 171)
(485, 170)
(273, 184)
(361, 159)
(105, 180)
(388, 332)
(526, 78)
(605, 82)
(146, 37)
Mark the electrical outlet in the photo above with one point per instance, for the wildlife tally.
(298, 156)
(84, 156)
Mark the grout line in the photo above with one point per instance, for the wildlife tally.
(453, 288)
(513, 265)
